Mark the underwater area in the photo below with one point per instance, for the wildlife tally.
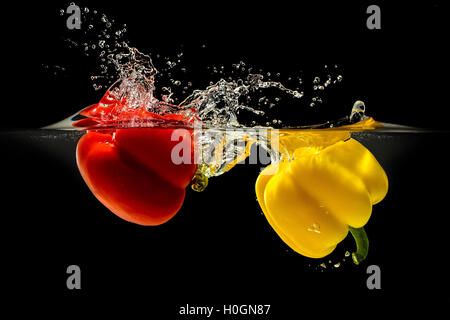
(314, 77)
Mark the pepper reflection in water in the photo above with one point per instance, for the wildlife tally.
(324, 186)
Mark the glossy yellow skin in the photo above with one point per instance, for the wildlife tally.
(312, 199)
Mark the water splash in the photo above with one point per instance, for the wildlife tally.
(220, 103)
(231, 102)
(358, 112)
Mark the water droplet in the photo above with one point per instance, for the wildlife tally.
(315, 228)
(337, 265)
(358, 111)
(323, 265)
(339, 78)
(347, 254)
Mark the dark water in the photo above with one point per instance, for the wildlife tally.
(219, 248)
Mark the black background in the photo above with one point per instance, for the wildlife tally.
(219, 249)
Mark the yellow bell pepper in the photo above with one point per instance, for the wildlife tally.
(313, 198)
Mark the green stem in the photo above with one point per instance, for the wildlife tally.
(362, 244)
(199, 182)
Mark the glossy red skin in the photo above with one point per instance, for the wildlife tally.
(131, 172)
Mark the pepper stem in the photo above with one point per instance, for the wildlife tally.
(200, 180)
(362, 244)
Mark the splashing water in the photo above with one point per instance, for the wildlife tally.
(131, 102)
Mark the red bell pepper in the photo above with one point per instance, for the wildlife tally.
(130, 170)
